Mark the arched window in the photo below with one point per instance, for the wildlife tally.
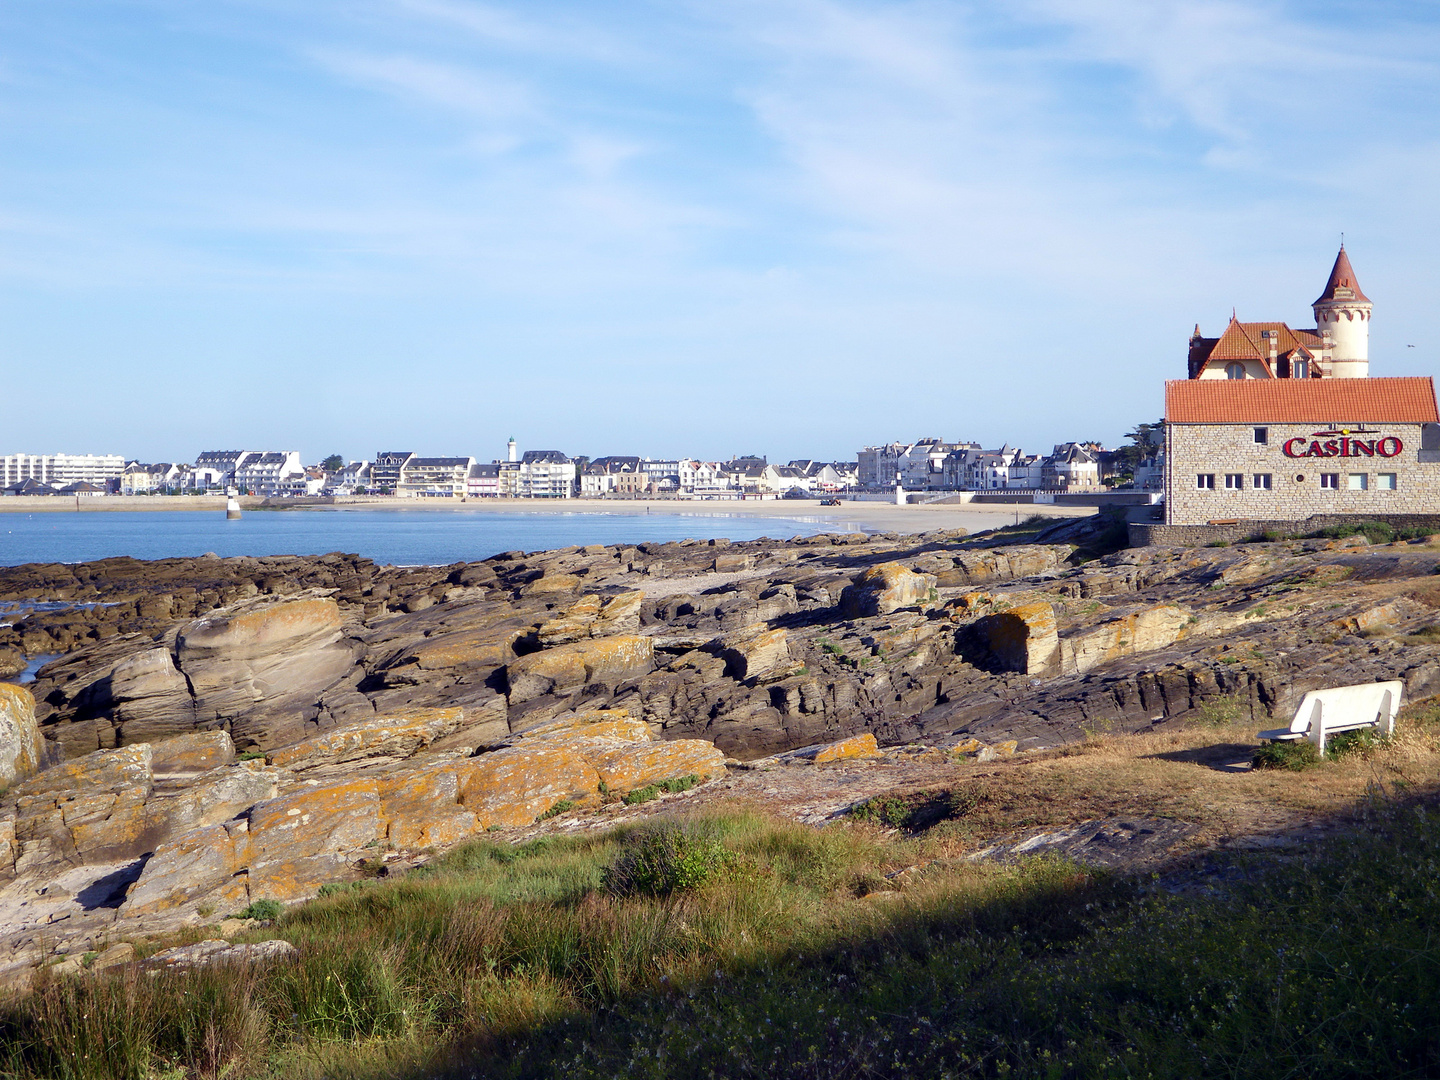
(1234, 371)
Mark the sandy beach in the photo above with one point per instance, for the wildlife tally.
(869, 516)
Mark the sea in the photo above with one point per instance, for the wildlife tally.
(390, 537)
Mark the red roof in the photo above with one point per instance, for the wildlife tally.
(1343, 284)
(1301, 401)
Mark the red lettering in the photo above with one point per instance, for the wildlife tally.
(1315, 450)
(1362, 446)
(1331, 448)
(1395, 443)
(1290, 450)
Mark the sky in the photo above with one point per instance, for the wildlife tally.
(789, 227)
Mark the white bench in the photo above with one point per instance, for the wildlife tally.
(1342, 708)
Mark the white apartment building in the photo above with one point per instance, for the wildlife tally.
(447, 477)
(269, 474)
(61, 470)
(546, 474)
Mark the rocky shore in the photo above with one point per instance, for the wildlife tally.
(222, 731)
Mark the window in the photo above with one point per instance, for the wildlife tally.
(1358, 481)
(1261, 481)
(1234, 371)
(1234, 481)
(1300, 369)
(1262, 435)
(1385, 481)
(1330, 480)
(1205, 481)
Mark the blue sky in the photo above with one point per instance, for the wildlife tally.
(791, 227)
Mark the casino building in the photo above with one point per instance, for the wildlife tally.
(1280, 425)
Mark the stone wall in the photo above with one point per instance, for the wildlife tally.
(1295, 493)
(1156, 535)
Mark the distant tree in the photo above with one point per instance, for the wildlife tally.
(1146, 441)
(333, 463)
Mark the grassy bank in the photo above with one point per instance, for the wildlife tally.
(734, 944)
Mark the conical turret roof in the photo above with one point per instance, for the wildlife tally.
(1342, 284)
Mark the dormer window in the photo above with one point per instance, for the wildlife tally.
(1234, 371)
(1299, 369)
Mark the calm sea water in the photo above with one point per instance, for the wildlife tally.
(396, 537)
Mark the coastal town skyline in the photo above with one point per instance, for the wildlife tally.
(792, 226)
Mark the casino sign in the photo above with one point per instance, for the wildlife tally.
(1343, 443)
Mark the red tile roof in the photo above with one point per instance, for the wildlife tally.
(1342, 278)
(1247, 341)
(1301, 401)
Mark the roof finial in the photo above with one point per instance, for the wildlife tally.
(1342, 241)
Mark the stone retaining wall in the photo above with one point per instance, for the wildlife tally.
(1148, 535)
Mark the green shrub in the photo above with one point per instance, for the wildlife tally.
(556, 810)
(1377, 532)
(263, 910)
(1295, 755)
(883, 810)
(665, 860)
(1361, 742)
(664, 787)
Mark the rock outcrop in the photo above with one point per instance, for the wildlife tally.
(20, 749)
(883, 589)
(385, 711)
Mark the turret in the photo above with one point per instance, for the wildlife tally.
(1342, 318)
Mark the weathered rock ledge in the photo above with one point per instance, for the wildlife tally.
(226, 730)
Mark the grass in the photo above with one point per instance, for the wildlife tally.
(735, 944)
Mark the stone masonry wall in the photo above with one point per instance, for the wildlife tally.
(1295, 493)
(1148, 535)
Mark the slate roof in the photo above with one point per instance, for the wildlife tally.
(1409, 400)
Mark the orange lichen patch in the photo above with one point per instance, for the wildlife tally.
(103, 770)
(853, 748)
(623, 768)
(191, 866)
(422, 809)
(569, 667)
(1024, 638)
(885, 588)
(261, 632)
(389, 737)
(490, 646)
(1369, 619)
(302, 840)
(550, 584)
(596, 723)
(972, 602)
(517, 785)
(332, 817)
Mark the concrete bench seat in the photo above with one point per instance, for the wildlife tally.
(1322, 713)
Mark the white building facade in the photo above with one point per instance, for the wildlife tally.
(61, 470)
